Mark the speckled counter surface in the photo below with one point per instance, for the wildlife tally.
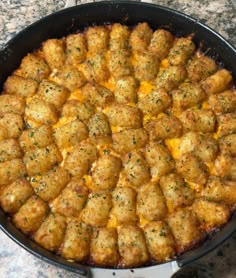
(14, 16)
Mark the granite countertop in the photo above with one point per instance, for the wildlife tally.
(15, 262)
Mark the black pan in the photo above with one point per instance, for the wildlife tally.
(130, 13)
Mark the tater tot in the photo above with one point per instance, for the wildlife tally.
(99, 128)
(210, 214)
(164, 128)
(203, 146)
(124, 116)
(12, 104)
(181, 51)
(76, 108)
(129, 140)
(170, 78)
(97, 39)
(132, 246)
(124, 204)
(224, 102)
(146, 66)
(53, 50)
(11, 170)
(69, 77)
(187, 95)
(70, 134)
(225, 166)
(51, 184)
(214, 190)
(206, 148)
(76, 48)
(185, 228)
(53, 93)
(79, 161)
(159, 159)
(15, 195)
(34, 67)
(38, 137)
(126, 89)
(119, 63)
(161, 43)
(40, 160)
(227, 144)
(200, 68)
(72, 199)
(192, 168)
(151, 202)
(160, 241)
(40, 111)
(51, 233)
(199, 120)
(226, 124)
(136, 169)
(76, 244)
(220, 190)
(217, 82)
(104, 247)
(30, 216)
(155, 102)
(176, 191)
(119, 37)
(96, 68)
(140, 37)
(13, 124)
(96, 94)
(97, 209)
(9, 149)
(18, 85)
(189, 142)
(105, 173)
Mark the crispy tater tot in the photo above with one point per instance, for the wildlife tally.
(161, 43)
(217, 82)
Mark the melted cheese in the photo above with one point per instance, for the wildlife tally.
(196, 187)
(142, 221)
(205, 105)
(173, 146)
(112, 222)
(211, 168)
(164, 64)
(109, 84)
(63, 121)
(145, 88)
(89, 182)
(77, 95)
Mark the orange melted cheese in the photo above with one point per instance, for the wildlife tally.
(164, 64)
(145, 88)
(173, 146)
(112, 222)
(77, 95)
(63, 121)
(109, 84)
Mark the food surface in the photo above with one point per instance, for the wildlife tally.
(117, 146)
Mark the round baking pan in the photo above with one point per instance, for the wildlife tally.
(76, 19)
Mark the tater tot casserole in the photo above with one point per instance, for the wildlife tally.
(118, 146)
